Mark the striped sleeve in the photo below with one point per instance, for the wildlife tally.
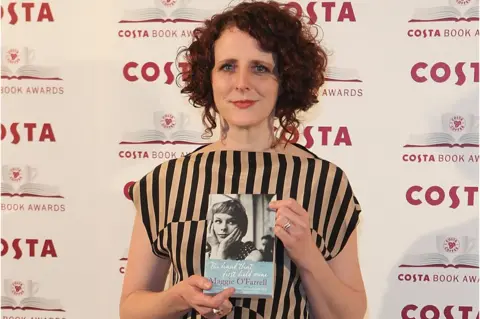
(344, 211)
(144, 194)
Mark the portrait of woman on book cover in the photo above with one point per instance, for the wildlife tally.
(254, 68)
(229, 221)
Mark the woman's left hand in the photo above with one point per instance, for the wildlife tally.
(296, 238)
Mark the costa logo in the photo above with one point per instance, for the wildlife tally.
(435, 312)
(32, 247)
(31, 132)
(436, 195)
(438, 278)
(151, 71)
(322, 134)
(326, 11)
(27, 295)
(27, 12)
(441, 72)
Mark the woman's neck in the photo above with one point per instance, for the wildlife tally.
(257, 139)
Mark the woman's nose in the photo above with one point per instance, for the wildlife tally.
(242, 80)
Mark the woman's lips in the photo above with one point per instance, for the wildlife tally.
(243, 104)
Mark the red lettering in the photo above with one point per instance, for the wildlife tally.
(324, 130)
(342, 136)
(429, 198)
(45, 12)
(406, 309)
(48, 249)
(28, 10)
(47, 133)
(471, 190)
(346, 11)
(32, 243)
(30, 127)
(434, 72)
(4, 247)
(126, 190)
(410, 192)
(441, 72)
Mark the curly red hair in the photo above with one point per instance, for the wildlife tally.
(300, 60)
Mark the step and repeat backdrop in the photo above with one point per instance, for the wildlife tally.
(91, 102)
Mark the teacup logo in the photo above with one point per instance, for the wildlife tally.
(13, 56)
(451, 245)
(463, 2)
(16, 174)
(17, 288)
(168, 121)
(168, 3)
(457, 123)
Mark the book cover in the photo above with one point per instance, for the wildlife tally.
(240, 244)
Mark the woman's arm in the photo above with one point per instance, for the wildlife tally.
(142, 295)
(335, 289)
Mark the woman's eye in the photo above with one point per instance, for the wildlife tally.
(261, 68)
(227, 67)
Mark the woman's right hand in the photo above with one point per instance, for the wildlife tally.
(191, 292)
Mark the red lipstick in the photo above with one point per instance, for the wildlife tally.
(243, 104)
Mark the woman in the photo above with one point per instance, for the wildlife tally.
(225, 232)
(249, 67)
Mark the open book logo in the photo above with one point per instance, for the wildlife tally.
(19, 181)
(19, 64)
(170, 128)
(166, 11)
(452, 252)
(456, 11)
(458, 131)
(335, 74)
(21, 295)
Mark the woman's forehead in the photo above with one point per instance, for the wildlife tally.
(234, 44)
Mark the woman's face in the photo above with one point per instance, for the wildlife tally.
(224, 225)
(245, 87)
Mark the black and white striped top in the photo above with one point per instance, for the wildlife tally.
(173, 202)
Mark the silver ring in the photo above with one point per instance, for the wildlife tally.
(287, 226)
(217, 311)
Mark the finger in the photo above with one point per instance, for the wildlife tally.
(292, 217)
(211, 302)
(283, 236)
(238, 235)
(223, 296)
(290, 203)
(199, 282)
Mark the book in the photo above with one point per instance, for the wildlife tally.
(445, 13)
(240, 245)
(159, 15)
(30, 72)
(335, 74)
(31, 303)
(441, 261)
(30, 190)
(159, 137)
